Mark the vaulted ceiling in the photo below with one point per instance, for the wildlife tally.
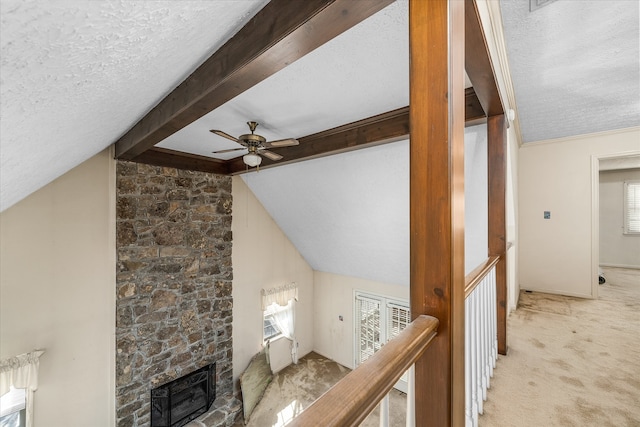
(155, 76)
(79, 76)
(76, 75)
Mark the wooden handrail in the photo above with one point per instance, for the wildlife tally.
(351, 399)
(474, 278)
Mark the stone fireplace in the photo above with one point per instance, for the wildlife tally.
(184, 399)
(174, 302)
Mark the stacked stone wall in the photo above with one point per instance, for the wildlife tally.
(174, 302)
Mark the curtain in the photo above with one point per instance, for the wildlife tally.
(21, 372)
(280, 295)
(285, 296)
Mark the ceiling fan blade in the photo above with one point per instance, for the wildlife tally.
(270, 155)
(281, 143)
(227, 151)
(224, 135)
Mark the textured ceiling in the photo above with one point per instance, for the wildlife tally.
(575, 66)
(361, 73)
(75, 75)
(346, 214)
(349, 213)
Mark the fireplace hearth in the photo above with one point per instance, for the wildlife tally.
(184, 399)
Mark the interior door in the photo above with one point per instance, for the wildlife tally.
(369, 338)
(398, 317)
(378, 319)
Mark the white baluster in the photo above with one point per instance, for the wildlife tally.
(467, 365)
(477, 349)
(411, 397)
(494, 316)
(492, 321)
(474, 359)
(384, 411)
(488, 338)
(483, 338)
(481, 345)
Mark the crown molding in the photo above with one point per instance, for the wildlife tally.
(583, 136)
(492, 20)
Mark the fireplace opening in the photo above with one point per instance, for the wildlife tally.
(184, 399)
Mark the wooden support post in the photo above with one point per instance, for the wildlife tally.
(497, 167)
(436, 45)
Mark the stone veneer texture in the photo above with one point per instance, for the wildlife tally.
(174, 302)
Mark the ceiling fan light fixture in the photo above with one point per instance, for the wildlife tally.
(255, 143)
(252, 160)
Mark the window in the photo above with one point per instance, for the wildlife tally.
(18, 381)
(378, 319)
(279, 315)
(13, 411)
(271, 329)
(632, 207)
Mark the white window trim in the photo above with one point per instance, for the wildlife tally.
(627, 208)
(21, 372)
(386, 304)
(14, 401)
(285, 295)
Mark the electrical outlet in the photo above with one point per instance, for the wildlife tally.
(340, 318)
(547, 214)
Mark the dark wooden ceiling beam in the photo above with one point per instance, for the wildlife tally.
(278, 35)
(477, 62)
(384, 128)
(473, 111)
(176, 159)
(275, 37)
(381, 129)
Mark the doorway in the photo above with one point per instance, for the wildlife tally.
(378, 319)
(609, 164)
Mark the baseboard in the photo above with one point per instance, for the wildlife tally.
(555, 292)
(630, 267)
(332, 359)
(277, 369)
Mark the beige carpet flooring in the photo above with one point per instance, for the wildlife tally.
(297, 386)
(571, 361)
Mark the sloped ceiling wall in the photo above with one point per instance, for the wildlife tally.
(77, 74)
(348, 214)
(358, 74)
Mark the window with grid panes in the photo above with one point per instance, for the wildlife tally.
(270, 327)
(632, 207)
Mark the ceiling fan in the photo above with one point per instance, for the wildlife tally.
(256, 145)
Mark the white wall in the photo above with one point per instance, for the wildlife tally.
(263, 257)
(491, 19)
(555, 255)
(333, 297)
(57, 293)
(513, 285)
(616, 248)
(476, 203)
